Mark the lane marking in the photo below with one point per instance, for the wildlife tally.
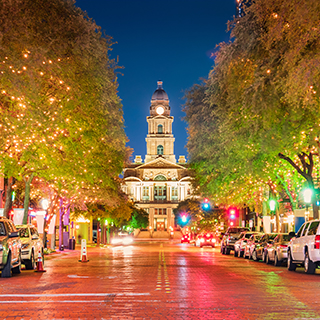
(75, 294)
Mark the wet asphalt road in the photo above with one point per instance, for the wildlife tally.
(159, 280)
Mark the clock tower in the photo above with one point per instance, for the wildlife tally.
(160, 139)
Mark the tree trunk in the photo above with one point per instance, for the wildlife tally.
(61, 211)
(98, 234)
(8, 203)
(27, 199)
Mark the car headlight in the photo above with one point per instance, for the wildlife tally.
(25, 245)
(127, 240)
(115, 241)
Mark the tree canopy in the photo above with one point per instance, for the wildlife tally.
(61, 118)
(255, 122)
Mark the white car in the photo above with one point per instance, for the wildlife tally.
(304, 247)
(122, 239)
(31, 245)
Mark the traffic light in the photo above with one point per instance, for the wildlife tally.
(206, 204)
(232, 215)
(184, 218)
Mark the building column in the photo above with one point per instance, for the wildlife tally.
(151, 218)
(151, 196)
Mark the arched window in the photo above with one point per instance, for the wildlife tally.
(160, 149)
(160, 128)
(160, 177)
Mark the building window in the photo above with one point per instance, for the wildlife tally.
(160, 211)
(174, 193)
(160, 177)
(160, 128)
(160, 149)
(145, 193)
(160, 193)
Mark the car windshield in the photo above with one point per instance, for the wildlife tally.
(286, 237)
(258, 237)
(24, 232)
(272, 236)
(2, 229)
(248, 235)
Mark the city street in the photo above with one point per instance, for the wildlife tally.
(159, 280)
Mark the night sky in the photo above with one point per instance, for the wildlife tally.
(168, 40)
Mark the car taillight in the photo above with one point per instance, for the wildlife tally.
(208, 234)
(283, 246)
(317, 242)
(201, 240)
(213, 240)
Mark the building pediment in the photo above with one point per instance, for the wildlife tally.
(160, 163)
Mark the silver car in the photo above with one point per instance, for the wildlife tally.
(240, 244)
(277, 252)
(31, 245)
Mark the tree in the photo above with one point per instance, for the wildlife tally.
(61, 116)
(139, 218)
(261, 98)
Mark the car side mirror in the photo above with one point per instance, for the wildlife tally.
(14, 234)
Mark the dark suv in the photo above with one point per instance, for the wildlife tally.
(10, 248)
(230, 237)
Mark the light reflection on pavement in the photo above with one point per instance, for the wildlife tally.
(153, 280)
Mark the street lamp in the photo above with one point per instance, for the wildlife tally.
(307, 197)
(272, 205)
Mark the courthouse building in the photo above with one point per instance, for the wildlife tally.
(158, 183)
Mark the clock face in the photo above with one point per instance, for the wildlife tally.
(160, 110)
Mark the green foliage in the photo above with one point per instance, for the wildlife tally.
(139, 219)
(254, 124)
(61, 117)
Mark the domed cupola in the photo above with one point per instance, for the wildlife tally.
(159, 94)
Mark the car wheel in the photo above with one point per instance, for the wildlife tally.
(17, 269)
(268, 261)
(291, 266)
(264, 257)
(240, 254)
(227, 251)
(277, 262)
(6, 271)
(309, 266)
(235, 253)
(254, 255)
(30, 264)
(221, 249)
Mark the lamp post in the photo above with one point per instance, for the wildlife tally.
(45, 205)
(307, 196)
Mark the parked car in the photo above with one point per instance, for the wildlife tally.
(205, 239)
(31, 245)
(230, 237)
(10, 248)
(239, 245)
(259, 250)
(122, 239)
(277, 252)
(304, 247)
(185, 238)
(251, 243)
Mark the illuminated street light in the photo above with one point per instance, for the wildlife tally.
(272, 204)
(45, 204)
(307, 195)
